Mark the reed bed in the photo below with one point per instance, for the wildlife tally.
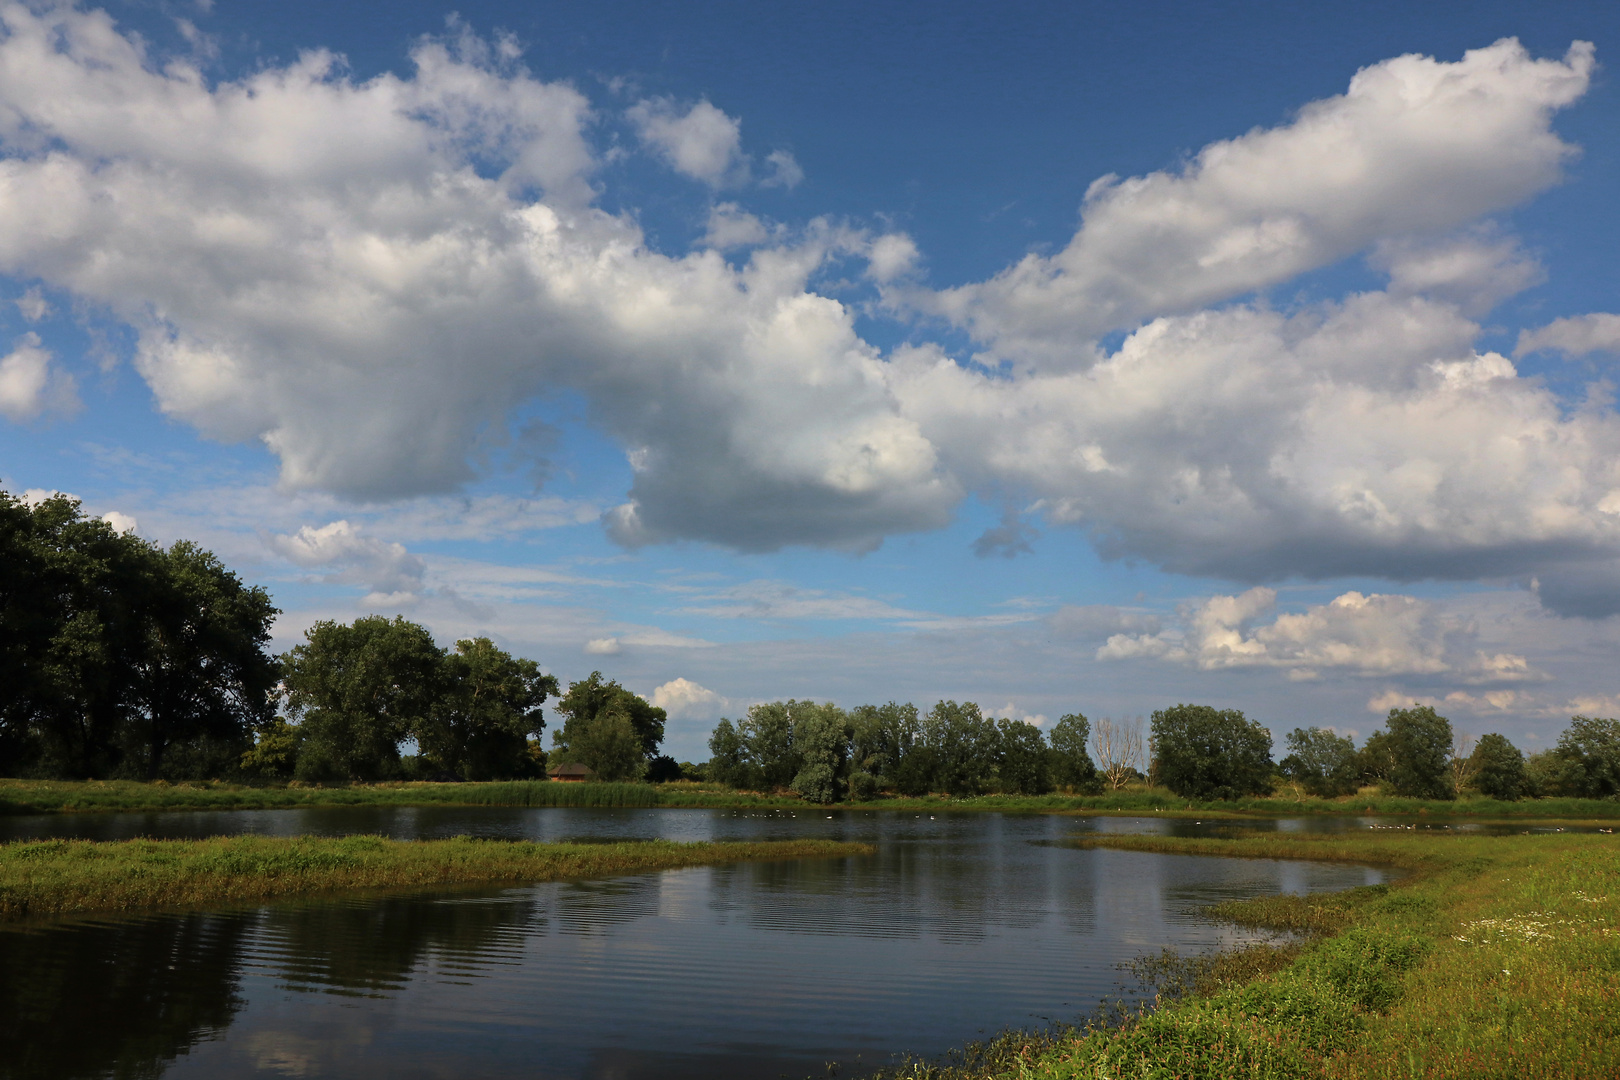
(1495, 958)
(54, 877)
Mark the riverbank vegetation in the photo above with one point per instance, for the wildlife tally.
(1496, 957)
(63, 796)
(53, 877)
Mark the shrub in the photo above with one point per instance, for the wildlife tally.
(1499, 770)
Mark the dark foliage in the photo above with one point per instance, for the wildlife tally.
(1206, 753)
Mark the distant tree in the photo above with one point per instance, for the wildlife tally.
(821, 742)
(608, 743)
(357, 692)
(1072, 767)
(960, 745)
(1375, 761)
(1206, 753)
(1419, 748)
(1321, 762)
(489, 704)
(597, 715)
(663, 768)
(768, 733)
(1550, 774)
(1118, 744)
(1462, 760)
(1025, 759)
(1588, 758)
(880, 738)
(274, 754)
(1498, 768)
(593, 697)
(729, 760)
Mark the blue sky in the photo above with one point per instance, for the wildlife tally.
(1056, 357)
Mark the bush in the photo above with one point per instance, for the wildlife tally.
(1206, 753)
(863, 786)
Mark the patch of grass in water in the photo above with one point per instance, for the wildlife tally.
(53, 877)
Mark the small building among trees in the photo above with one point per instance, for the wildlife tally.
(572, 772)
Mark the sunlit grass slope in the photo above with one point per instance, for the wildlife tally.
(1496, 957)
(58, 876)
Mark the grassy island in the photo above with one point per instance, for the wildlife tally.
(54, 877)
(1494, 957)
(107, 796)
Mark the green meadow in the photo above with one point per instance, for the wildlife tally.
(1491, 957)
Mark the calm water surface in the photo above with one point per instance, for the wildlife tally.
(960, 925)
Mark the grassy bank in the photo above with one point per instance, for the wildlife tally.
(59, 876)
(1496, 957)
(59, 796)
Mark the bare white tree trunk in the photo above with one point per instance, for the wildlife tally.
(1462, 765)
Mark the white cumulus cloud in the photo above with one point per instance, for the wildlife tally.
(383, 567)
(28, 386)
(701, 141)
(684, 699)
(1356, 634)
(1574, 336)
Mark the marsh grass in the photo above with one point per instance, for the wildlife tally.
(54, 877)
(1493, 957)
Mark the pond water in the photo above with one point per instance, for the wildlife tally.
(959, 925)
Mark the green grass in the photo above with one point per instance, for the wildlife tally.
(58, 796)
(54, 877)
(1494, 957)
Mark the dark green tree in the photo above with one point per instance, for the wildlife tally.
(729, 759)
(1024, 759)
(358, 691)
(1324, 764)
(594, 696)
(1498, 768)
(488, 707)
(880, 738)
(608, 728)
(1588, 754)
(768, 731)
(201, 679)
(1419, 748)
(961, 748)
(1202, 752)
(1072, 767)
(71, 597)
(821, 742)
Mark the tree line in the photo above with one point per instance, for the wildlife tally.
(121, 658)
(826, 754)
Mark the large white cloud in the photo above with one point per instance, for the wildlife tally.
(1376, 635)
(369, 276)
(1414, 146)
(317, 263)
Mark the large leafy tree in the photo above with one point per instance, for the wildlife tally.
(1072, 767)
(608, 728)
(488, 707)
(821, 743)
(71, 591)
(1206, 753)
(1419, 742)
(961, 748)
(200, 670)
(1588, 758)
(1322, 762)
(1024, 764)
(1498, 768)
(358, 691)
